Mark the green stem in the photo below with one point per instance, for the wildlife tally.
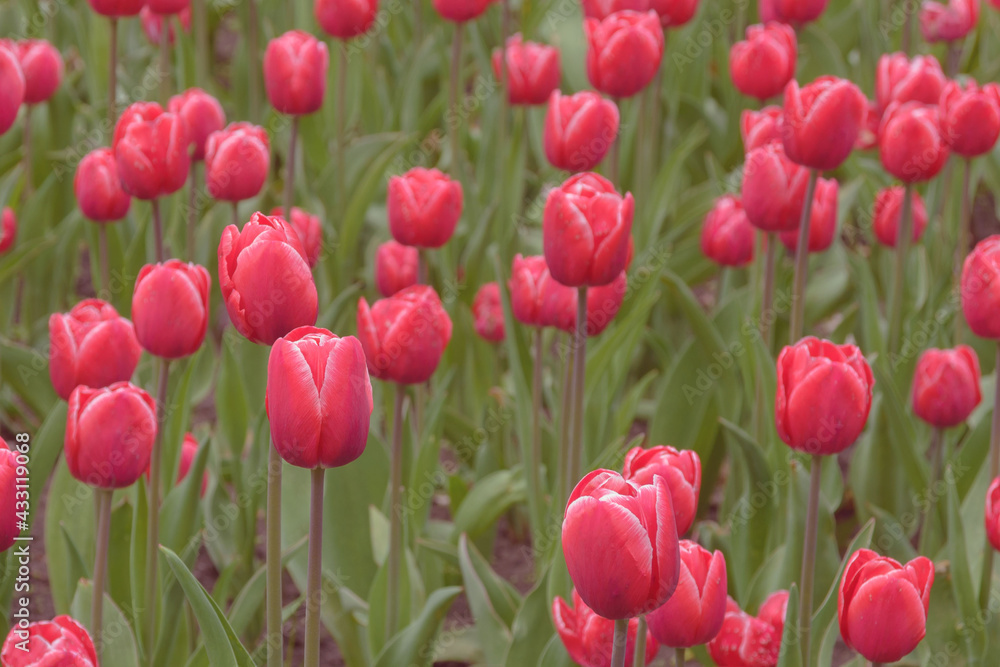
(679, 657)
(809, 556)
(192, 212)
(112, 71)
(28, 187)
(620, 639)
(532, 459)
(565, 482)
(802, 263)
(157, 229)
(452, 116)
(341, 128)
(236, 215)
(275, 638)
(314, 585)
(290, 178)
(100, 567)
(936, 453)
(986, 582)
(767, 305)
(153, 505)
(615, 150)
(639, 659)
(200, 40)
(102, 259)
(395, 515)
(253, 58)
(962, 243)
(579, 385)
(903, 237)
(164, 59)
(908, 29)
(418, 22)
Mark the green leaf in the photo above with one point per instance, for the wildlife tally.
(532, 627)
(231, 399)
(961, 575)
(791, 649)
(488, 500)
(119, 646)
(413, 646)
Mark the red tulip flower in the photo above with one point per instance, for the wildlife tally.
(237, 160)
(167, 6)
(579, 130)
(774, 609)
(586, 231)
(61, 641)
(824, 396)
(745, 640)
(981, 288)
(948, 22)
(680, 469)
(609, 520)
(602, 9)
(822, 219)
(170, 308)
(345, 19)
(889, 211)
(319, 398)
(559, 304)
(822, 121)
(759, 128)
(674, 13)
(308, 227)
(796, 12)
(99, 189)
(91, 345)
(487, 312)
(202, 115)
(763, 64)
(424, 207)
(117, 8)
(295, 67)
(970, 117)
(533, 70)
(900, 79)
(42, 65)
(404, 335)
(12, 84)
(624, 52)
(588, 638)
(135, 112)
(265, 279)
(151, 152)
(910, 142)
(727, 237)
(695, 613)
(993, 514)
(8, 229)
(526, 285)
(946, 386)
(9, 530)
(153, 24)
(189, 450)
(882, 605)
(460, 11)
(396, 267)
(774, 189)
(868, 137)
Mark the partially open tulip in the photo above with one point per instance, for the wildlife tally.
(265, 279)
(8, 229)
(527, 277)
(533, 70)
(900, 79)
(609, 520)
(727, 237)
(970, 117)
(579, 130)
(586, 230)
(602, 9)
(889, 211)
(822, 121)
(135, 112)
(822, 219)
(674, 13)
(109, 434)
(345, 19)
(424, 206)
(11, 88)
(946, 386)
(42, 65)
(981, 288)
(588, 638)
(295, 67)
(170, 308)
(91, 345)
(681, 470)
(152, 153)
(993, 513)
(763, 64)
(796, 12)
(948, 22)
(745, 640)
(202, 115)
(559, 304)
(910, 142)
(694, 614)
(759, 128)
(404, 335)
(308, 227)
(61, 641)
(237, 160)
(487, 312)
(116, 8)
(319, 398)
(824, 396)
(882, 605)
(396, 267)
(460, 11)
(624, 52)
(8, 496)
(153, 24)
(98, 188)
(774, 189)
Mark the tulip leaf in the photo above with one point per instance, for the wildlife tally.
(491, 605)
(119, 645)
(411, 600)
(532, 627)
(231, 399)
(380, 535)
(961, 575)
(179, 512)
(137, 558)
(25, 371)
(413, 646)
(555, 654)
(43, 453)
(251, 598)
(492, 495)
(791, 648)
(69, 508)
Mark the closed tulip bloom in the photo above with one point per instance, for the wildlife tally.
(589, 638)
(609, 520)
(796, 12)
(404, 335)
(774, 189)
(202, 115)
(61, 641)
(396, 267)
(42, 65)
(946, 386)
(674, 13)
(602, 9)
(345, 19)
(527, 278)
(460, 11)
(109, 434)
(759, 128)
(99, 189)
(559, 304)
(152, 156)
(822, 219)
(763, 64)
(237, 161)
(694, 614)
(948, 22)
(970, 117)
(295, 67)
(889, 211)
(579, 130)
(319, 398)
(424, 206)
(993, 513)
(868, 136)
(727, 237)
(981, 288)
(8, 497)
(824, 396)
(170, 308)
(12, 86)
(8, 229)
(116, 8)
(882, 605)
(624, 52)
(265, 279)
(487, 312)
(91, 345)
(586, 231)
(910, 142)
(745, 640)
(682, 472)
(822, 121)
(900, 79)
(153, 23)
(308, 227)
(532, 70)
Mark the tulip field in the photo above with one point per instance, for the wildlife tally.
(499, 333)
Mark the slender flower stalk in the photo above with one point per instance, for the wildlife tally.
(153, 505)
(801, 262)
(532, 460)
(236, 214)
(620, 640)
(341, 127)
(451, 122)
(986, 582)
(679, 657)
(102, 258)
(157, 229)
(962, 243)
(200, 19)
(903, 238)
(253, 57)
(640, 643)
(937, 456)
(165, 60)
(565, 429)
(579, 370)
(615, 151)
(103, 497)
(112, 72)
(809, 556)
(314, 585)
(192, 212)
(28, 185)
(395, 520)
(275, 638)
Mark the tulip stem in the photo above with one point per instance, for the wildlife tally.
(27, 149)
(565, 431)
(100, 567)
(157, 229)
(315, 569)
(809, 556)
(679, 657)
(341, 129)
(532, 460)
(275, 639)
(802, 263)
(102, 259)
(579, 382)
(192, 212)
(153, 505)
(639, 659)
(987, 578)
(962, 243)
(767, 306)
(236, 214)
(290, 178)
(395, 518)
(615, 150)
(618, 646)
(200, 40)
(907, 29)
(451, 116)
(164, 58)
(112, 71)
(903, 237)
(418, 22)
(253, 58)
(937, 457)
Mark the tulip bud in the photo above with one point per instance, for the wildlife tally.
(970, 117)
(950, 22)
(319, 398)
(609, 520)
(265, 279)
(674, 13)
(170, 308)
(42, 65)
(889, 211)
(586, 230)
(61, 641)
(309, 229)
(822, 219)
(822, 121)
(117, 8)
(946, 386)
(9, 530)
(424, 207)
(526, 288)
(152, 155)
(588, 638)
(237, 160)
(902, 80)
(404, 335)
(763, 65)
(487, 311)
(602, 9)
(824, 396)
(910, 142)
(774, 189)
(868, 136)
(746, 640)
(396, 267)
(624, 52)
(980, 293)
(882, 605)
(579, 130)
(153, 24)
(727, 237)
(680, 469)
(694, 614)
(99, 189)
(295, 67)
(532, 70)
(8, 229)
(559, 304)
(12, 84)
(993, 514)
(109, 434)
(759, 128)
(460, 11)
(345, 19)
(202, 115)
(796, 12)
(91, 345)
